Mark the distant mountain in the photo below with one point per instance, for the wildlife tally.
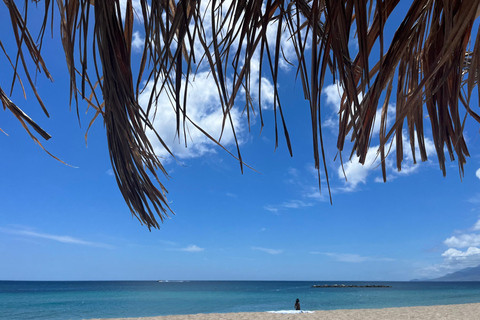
(467, 274)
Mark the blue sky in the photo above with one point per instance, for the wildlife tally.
(61, 222)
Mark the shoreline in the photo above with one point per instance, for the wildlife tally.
(470, 311)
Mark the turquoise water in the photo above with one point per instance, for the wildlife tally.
(23, 300)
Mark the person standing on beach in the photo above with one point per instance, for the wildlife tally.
(297, 304)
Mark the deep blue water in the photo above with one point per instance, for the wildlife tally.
(23, 300)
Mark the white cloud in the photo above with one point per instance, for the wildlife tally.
(271, 208)
(293, 172)
(407, 165)
(267, 250)
(287, 48)
(475, 199)
(57, 238)
(203, 105)
(357, 173)
(378, 118)
(168, 243)
(292, 204)
(175, 246)
(138, 41)
(331, 123)
(192, 248)
(455, 259)
(457, 254)
(317, 194)
(203, 108)
(295, 204)
(463, 241)
(333, 93)
(476, 226)
(477, 173)
(137, 9)
(267, 88)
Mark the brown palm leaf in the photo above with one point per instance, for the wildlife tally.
(430, 51)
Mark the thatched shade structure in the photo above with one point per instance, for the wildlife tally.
(432, 51)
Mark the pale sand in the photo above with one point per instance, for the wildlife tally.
(451, 312)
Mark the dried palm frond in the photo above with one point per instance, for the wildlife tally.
(429, 52)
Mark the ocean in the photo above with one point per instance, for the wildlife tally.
(55, 300)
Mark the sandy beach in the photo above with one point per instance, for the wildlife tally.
(451, 312)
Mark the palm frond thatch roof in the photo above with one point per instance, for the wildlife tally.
(431, 62)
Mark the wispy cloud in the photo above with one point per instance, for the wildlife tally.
(192, 248)
(57, 238)
(352, 258)
(307, 195)
(268, 250)
(475, 199)
(291, 204)
(313, 192)
(293, 172)
(168, 243)
(175, 246)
